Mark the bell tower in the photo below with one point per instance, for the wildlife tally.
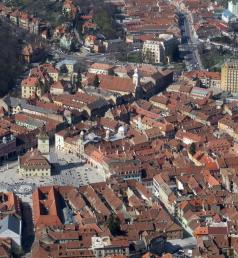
(136, 82)
(43, 142)
(80, 144)
(136, 78)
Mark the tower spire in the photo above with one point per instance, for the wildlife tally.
(136, 77)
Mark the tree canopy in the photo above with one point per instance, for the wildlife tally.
(114, 225)
(96, 82)
(192, 148)
(50, 11)
(105, 23)
(10, 66)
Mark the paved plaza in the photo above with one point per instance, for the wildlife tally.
(68, 170)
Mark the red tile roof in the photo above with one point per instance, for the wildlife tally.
(46, 207)
(116, 84)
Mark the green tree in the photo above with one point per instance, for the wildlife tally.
(148, 56)
(192, 149)
(114, 225)
(96, 82)
(105, 23)
(111, 72)
(64, 69)
(10, 65)
(50, 11)
(79, 24)
(135, 57)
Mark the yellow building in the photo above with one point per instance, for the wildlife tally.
(229, 76)
(70, 67)
(52, 71)
(31, 87)
(228, 126)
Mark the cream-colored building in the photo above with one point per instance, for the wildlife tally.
(229, 76)
(31, 87)
(33, 163)
(57, 88)
(103, 247)
(233, 7)
(100, 68)
(70, 144)
(52, 71)
(71, 67)
(44, 143)
(160, 49)
(153, 51)
(228, 126)
(36, 162)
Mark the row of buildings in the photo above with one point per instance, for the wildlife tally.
(153, 27)
(74, 222)
(206, 18)
(158, 143)
(226, 80)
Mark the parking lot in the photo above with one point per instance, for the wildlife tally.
(68, 170)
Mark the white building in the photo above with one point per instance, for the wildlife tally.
(159, 50)
(11, 227)
(104, 246)
(100, 68)
(163, 192)
(228, 16)
(233, 7)
(44, 143)
(153, 51)
(59, 139)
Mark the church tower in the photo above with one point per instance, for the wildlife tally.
(80, 144)
(136, 82)
(44, 142)
(136, 78)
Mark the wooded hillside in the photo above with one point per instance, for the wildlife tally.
(10, 66)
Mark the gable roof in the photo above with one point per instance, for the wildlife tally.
(34, 159)
(118, 84)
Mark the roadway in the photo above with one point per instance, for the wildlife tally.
(82, 57)
(193, 42)
(193, 60)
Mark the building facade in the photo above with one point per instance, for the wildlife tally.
(31, 87)
(44, 144)
(233, 7)
(153, 51)
(7, 144)
(104, 246)
(229, 76)
(33, 163)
